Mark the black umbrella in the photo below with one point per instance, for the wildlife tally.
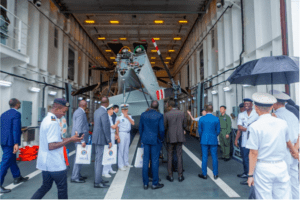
(267, 70)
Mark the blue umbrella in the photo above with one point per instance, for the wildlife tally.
(267, 70)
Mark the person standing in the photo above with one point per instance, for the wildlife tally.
(245, 119)
(293, 129)
(10, 142)
(116, 110)
(51, 156)
(175, 124)
(225, 123)
(209, 129)
(124, 122)
(80, 125)
(238, 133)
(203, 112)
(267, 142)
(101, 137)
(152, 130)
(107, 169)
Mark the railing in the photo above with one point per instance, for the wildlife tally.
(13, 31)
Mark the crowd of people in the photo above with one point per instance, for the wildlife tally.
(269, 143)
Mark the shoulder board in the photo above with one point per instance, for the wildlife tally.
(53, 118)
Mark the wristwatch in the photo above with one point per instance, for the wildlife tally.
(250, 175)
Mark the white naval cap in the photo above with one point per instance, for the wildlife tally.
(280, 96)
(124, 106)
(110, 106)
(263, 99)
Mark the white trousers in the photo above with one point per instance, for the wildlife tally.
(123, 149)
(294, 175)
(107, 168)
(271, 181)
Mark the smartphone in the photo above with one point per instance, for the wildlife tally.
(80, 134)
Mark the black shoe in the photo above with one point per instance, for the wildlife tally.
(145, 187)
(244, 183)
(101, 185)
(180, 179)
(20, 179)
(77, 181)
(221, 158)
(226, 159)
(170, 178)
(242, 176)
(165, 161)
(3, 190)
(151, 179)
(103, 181)
(83, 177)
(202, 176)
(216, 177)
(175, 170)
(157, 186)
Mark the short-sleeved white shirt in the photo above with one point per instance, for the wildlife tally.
(50, 132)
(124, 125)
(245, 120)
(197, 118)
(269, 136)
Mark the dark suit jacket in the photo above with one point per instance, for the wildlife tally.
(152, 127)
(175, 124)
(209, 129)
(114, 117)
(101, 132)
(10, 128)
(292, 109)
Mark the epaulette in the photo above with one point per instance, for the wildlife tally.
(53, 118)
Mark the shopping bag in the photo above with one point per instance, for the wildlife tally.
(109, 155)
(139, 158)
(83, 155)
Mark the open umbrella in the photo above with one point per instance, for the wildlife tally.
(267, 70)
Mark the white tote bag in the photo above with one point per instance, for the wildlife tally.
(83, 155)
(139, 158)
(109, 155)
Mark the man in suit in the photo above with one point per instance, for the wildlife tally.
(209, 129)
(292, 107)
(175, 123)
(151, 130)
(81, 125)
(101, 137)
(10, 141)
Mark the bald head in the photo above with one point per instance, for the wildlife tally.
(154, 105)
(14, 103)
(82, 104)
(104, 101)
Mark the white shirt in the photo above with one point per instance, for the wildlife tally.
(111, 124)
(269, 136)
(197, 118)
(124, 125)
(245, 120)
(50, 160)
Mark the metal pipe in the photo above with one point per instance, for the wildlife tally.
(243, 32)
(91, 11)
(43, 100)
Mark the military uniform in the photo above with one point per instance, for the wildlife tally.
(225, 123)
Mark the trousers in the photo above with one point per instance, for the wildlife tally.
(214, 155)
(123, 149)
(77, 167)
(245, 156)
(108, 168)
(60, 179)
(153, 152)
(178, 147)
(225, 145)
(294, 179)
(98, 163)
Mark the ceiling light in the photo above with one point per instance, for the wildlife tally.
(183, 101)
(101, 38)
(99, 102)
(96, 101)
(80, 98)
(183, 21)
(194, 98)
(89, 21)
(227, 88)
(123, 38)
(204, 95)
(177, 38)
(214, 92)
(152, 63)
(114, 22)
(5, 83)
(88, 100)
(156, 38)
(153, 58)
(180, 102)
(167, 62)
(168, 58)
(112, 58)
(171, 50)
(52, 93)
(154, 50)
(158, 21)
(115, 63)
(34, 89)
(246, 85)
(189, 99)
(108, 50)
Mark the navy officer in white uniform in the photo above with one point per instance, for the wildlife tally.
(267, 142)
(124, 122)
(51, 156)
(293, 127)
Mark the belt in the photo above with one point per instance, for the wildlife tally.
(270, 162)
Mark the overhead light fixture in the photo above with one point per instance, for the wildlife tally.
(167, 62)
(183, 101)
(183, 21)
(115, 63)
(171, 50)
(154, 50)
(80, 98)
(89, 21)
(194, 98)
(153, 58)
(214, 92)
(246, 85)
(112, 58)
(99, 102)
(101, 38)
(5, 83)
(227, 88)
(189, 99)
(52, 93)
(168, 58)
(88, 100)
(108, 50)
(114, 21)
(34, 89)
(123, 38)
(204, 95)
(152, 63)
(177, 38)
(156, 38)
(96, 101)
(158, 21)
(180, 102)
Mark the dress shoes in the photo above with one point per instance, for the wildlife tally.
(128, 166)
(151, 179)
(103, 181)
(216, 177)
(77, 181)
(170, 178)
(226, 159)
(242, 176)
(112, 172)
(20, 179)
(100, 185)
(145, 187)
(221, 158)
(244, 182)
(122, 169)
(157, 186)
(106, 175)
(181, 178)
(3, 190)
(202, 176)
(83, 177)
